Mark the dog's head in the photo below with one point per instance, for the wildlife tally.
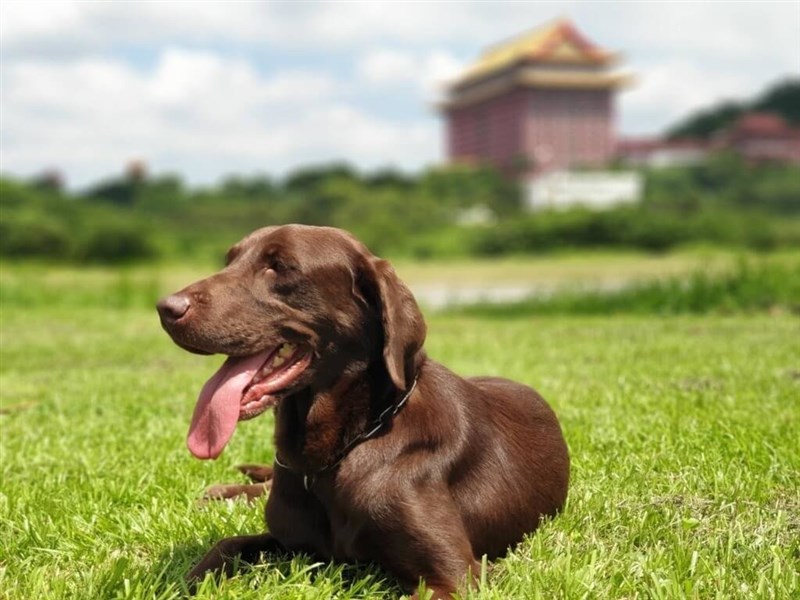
(295, 307)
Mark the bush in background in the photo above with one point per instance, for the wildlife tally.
(46, 225)
(116, 243)
(29, 235)
(723, 202)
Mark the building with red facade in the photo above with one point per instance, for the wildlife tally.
(757, 137)
(540, 107)
(762, 137)
(537, 103)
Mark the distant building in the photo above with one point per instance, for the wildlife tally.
(540, 102)
(756, 137)
(595, 189)
(660, 153)
(538, 106)
(762, 137)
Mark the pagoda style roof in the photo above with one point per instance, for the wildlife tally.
(556, 42)
(555, 55)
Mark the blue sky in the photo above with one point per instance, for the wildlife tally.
(208, 89)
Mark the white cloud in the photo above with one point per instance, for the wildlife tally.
(68, 28)
(205, 79)
(389, 68)
(384, 67)
(440, 69)
(196, 112)
(68, 25)
(664, 93)
(716, 32)
(213, 87)
(736, 30)
(40, 20)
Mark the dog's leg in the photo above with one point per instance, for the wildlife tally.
(224, 557)
(429, 543)
(251, 491)
(260, 475)
(256, 473)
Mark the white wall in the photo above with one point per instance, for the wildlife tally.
(597, 189)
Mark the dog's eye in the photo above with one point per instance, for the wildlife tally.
(278, 266)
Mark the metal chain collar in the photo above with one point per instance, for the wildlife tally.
(379, 423)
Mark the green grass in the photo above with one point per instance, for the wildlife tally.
(683, 434)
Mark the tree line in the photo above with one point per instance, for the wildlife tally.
(723, 201)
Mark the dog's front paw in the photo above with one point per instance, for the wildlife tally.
(250, 491)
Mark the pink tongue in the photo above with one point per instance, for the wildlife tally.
(217, 410)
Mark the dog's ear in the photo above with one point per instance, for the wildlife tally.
(403, 325)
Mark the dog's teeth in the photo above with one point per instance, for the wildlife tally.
(278, 361)
(285, 350)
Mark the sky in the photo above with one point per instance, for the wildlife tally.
(209, 89)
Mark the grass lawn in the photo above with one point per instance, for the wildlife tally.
(683, 433)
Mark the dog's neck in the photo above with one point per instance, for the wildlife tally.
(313, 427)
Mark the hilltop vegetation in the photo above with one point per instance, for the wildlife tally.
(782, 99)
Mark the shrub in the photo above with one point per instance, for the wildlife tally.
(29, 236)
(638, 227)
(116, 243)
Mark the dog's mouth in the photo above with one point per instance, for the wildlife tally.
(242, 388)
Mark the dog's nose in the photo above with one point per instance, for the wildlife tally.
(173, 307)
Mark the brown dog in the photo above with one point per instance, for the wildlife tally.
(382, 454)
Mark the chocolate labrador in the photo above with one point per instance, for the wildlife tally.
(382, 454)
